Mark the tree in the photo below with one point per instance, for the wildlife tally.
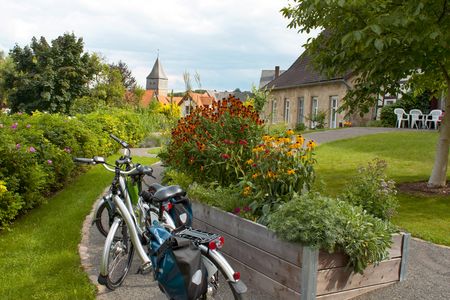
(108, 87)
(6, 67)
(382, 42)
(49, 77)
(127, 78)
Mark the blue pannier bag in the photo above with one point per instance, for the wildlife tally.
(177, 264)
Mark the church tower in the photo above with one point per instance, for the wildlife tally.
(157, 80)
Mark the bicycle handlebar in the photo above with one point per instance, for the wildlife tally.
(121, 142)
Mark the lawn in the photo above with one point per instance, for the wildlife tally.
(410, 157)
(155, 150)
(39, 256)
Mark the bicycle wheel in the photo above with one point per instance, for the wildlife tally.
(219, 288)
(104, 217)
(120, 255)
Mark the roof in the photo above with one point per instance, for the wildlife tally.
(267, 76)
(239, 95)
(198, 99)
(157, 71)
(147, 97)
(302, 72)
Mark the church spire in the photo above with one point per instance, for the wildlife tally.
(157, 79)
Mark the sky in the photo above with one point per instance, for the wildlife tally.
(227, 42)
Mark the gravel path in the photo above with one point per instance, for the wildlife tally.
(428, 274)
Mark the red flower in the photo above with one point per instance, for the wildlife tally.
(237, 210)
(225, 156)
(243, 142)
(228, 142)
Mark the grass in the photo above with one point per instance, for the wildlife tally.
(39, 255)
(410, 157)
(154, 150)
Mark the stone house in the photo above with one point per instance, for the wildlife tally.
(301, 93)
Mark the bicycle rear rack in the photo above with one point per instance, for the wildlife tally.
(197, 236)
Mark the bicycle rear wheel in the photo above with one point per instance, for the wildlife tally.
(220, 288)
(120, 253)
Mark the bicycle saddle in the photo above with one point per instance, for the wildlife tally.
(167, 192)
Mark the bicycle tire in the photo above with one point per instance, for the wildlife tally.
(219, 288)
(103, 218)
(120, 257)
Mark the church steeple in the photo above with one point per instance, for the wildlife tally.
(157, 79)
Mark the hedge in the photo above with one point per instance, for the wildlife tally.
(36, 152)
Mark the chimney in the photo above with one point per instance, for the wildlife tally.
(277, 71)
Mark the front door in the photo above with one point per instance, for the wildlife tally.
(333, 111)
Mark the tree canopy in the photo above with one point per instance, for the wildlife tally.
(128, 81)
(49, 77)
(382, 42)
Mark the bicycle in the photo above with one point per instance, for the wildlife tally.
(127, 231)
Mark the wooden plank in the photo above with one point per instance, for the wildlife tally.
(251, 232)
(405, 256)
(353, 293)
(339, 259)
(309, 273)
(340, 279)
(271, 266)
(264, 287)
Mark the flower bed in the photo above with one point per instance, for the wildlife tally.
(286, 270)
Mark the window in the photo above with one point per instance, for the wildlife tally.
(301, 110)
(274, 111)
(286, 110)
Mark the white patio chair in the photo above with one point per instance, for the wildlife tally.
(433, 117)
(401, 117)
(417, 118)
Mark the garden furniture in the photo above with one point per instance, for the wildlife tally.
(434, 117)
(401, 116)
(417, 119)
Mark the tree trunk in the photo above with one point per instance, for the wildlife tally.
(438, 176)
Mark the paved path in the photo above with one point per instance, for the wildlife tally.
(428, 274)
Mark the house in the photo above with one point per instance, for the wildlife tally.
(301, 94)
(191, 100)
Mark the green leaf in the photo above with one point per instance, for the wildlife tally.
(376, 28)
(379, 44)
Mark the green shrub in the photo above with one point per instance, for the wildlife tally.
(373, 191)
(172, 176)
(325, 223)
(300, 127)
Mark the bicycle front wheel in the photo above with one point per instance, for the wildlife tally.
(104, 217)
(119, 250)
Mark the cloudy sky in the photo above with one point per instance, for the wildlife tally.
(228, 42)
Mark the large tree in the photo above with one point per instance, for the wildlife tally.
(49, 77)
(382, 42)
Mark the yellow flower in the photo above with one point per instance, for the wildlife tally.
(249, 162)
(289, 153)
(311, 145)
(266, 138)
(271, 174)
(290, 132)
(255, 175)
(258, 149)
(290, 172)
(300, 139)
(295, 146)
(247, 191)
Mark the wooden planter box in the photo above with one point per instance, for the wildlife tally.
(286, 270)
